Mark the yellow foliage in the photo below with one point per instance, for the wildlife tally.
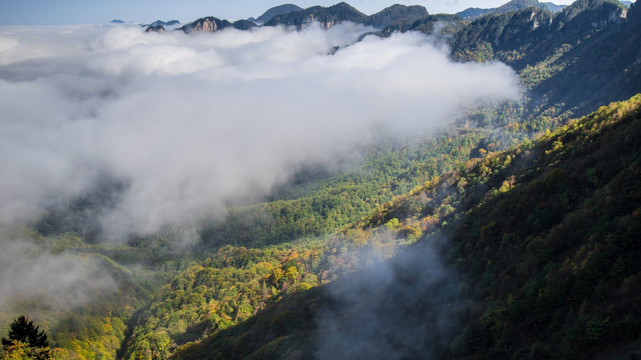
(304, 286)
(293, 255)
(292, 273)
(412, 231)
(505, 187)
(358, 236)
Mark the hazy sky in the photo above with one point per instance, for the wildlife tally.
(49, 12)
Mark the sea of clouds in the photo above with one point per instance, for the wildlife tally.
(192, 122)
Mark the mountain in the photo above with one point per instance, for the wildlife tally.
(394, 13)
(615, 75)
(544, 237)
(155, 28)
(243, 24)
(277, 10)
(553, 7)
(329, 16)
(208, 24)
(162, 23)
(595, 13)
(292, 15)
(470, 207)
(512, 233)
(514, 5)
(159, 25)
(552, 52)
(212, 24)
(473, 13)
(326, 16)
(535, 34)
(117, 21)
(440, 24)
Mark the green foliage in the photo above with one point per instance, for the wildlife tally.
(224, 290)
(548, 255)
(579, 57)
(438, 24)
(544, 233)
(93, 327)
(394, 13)
(389, 169)
(533, 75)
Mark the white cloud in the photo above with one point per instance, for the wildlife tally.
(191, 122)
(58, 280)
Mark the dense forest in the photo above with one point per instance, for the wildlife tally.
(509, 233)
(561, 282)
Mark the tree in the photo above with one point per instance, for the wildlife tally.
(23, 333)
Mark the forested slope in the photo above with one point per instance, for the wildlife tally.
(527, 253)
(545, 241)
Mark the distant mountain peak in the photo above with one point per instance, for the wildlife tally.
(277, 10)
(343, 5)
(513, 5)
(159, 25)
(394, 13)
(155, 28)
(213, 24)
(326, 16)
(598, 13)
(553, 7)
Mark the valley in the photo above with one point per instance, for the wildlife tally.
(323, 184)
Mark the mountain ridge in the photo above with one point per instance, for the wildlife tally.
(275, 11)
(326, 16)
(532, 210)
(514, 5)
(213, 24)
(487, 241)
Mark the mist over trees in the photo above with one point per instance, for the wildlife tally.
(401, 185)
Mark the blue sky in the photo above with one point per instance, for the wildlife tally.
(54, 12)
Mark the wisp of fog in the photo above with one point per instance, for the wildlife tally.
(408, 307)
(192, 122)
(59, 281)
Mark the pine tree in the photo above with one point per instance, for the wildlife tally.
(23, 331)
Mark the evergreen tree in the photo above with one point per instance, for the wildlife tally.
(22, 333)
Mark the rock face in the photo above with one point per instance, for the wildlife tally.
(209, 24)
(595, 13)
(212, 24)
